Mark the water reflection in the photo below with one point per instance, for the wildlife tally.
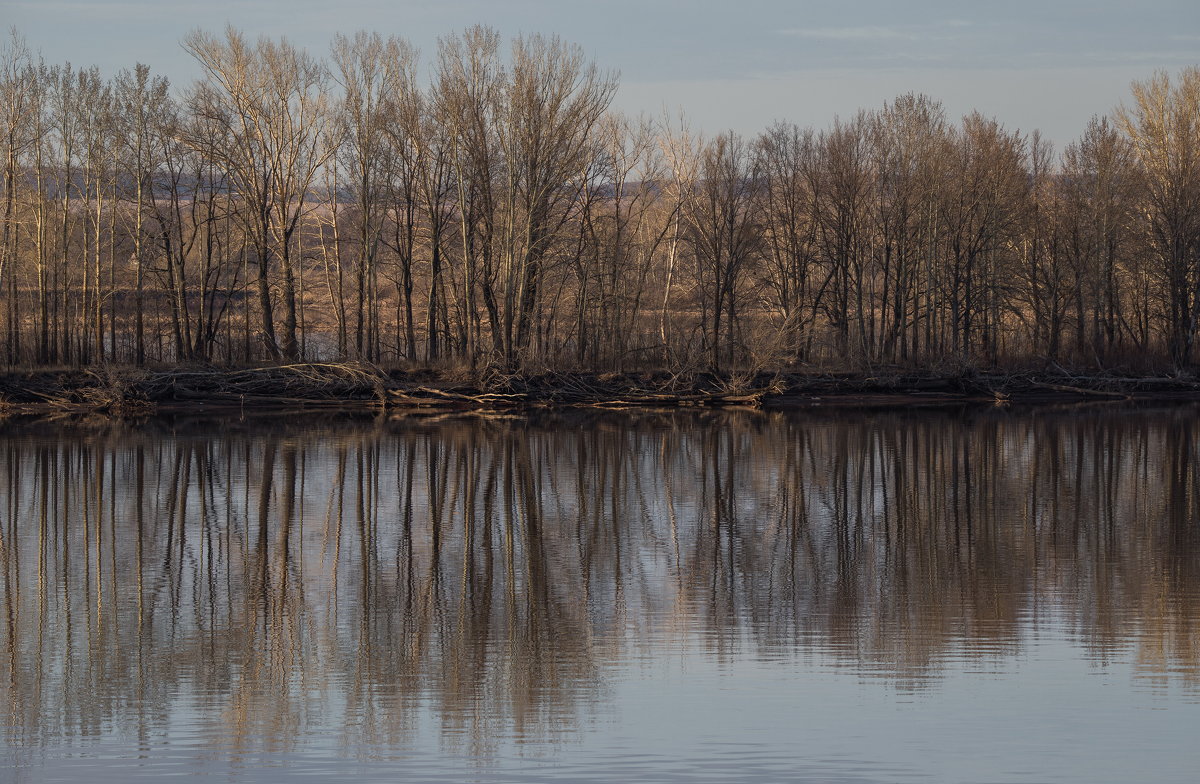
(246, 587)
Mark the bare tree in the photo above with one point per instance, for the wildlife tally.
(981, 215)
(466, 94)
(375, 74)
(842, 182)
(725, 231)
(552, 103)
(784, 154)
(18, 102)
(624, 219)
(271, 99)
(1163, 125)
(143, 105)
(1099, 187)
(906, 139)
(1045, 270)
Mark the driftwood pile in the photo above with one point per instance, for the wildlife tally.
(134, 392)
(611, 391)
(308, 385)
(278, 386)
(76, 391)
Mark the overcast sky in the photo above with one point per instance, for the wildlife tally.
(1047, 64)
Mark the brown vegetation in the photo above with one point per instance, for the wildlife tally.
(502, 219)
(354, 387)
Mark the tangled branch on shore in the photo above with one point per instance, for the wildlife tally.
(362, 386)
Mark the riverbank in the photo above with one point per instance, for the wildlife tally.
(128, 392)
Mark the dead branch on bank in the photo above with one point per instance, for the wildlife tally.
(363, 386)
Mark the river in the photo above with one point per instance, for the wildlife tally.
(976, 595)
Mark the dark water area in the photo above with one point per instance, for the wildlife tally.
(966, 596)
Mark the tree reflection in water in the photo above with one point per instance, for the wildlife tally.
(260, 581)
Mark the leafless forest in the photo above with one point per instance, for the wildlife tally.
(486, 207)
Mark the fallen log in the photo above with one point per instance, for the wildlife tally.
(1081, 390)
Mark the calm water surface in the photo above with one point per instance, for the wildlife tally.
(964, 597)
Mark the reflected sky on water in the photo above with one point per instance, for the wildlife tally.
(979, 596)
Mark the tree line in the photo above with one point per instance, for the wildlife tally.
(498, 212)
